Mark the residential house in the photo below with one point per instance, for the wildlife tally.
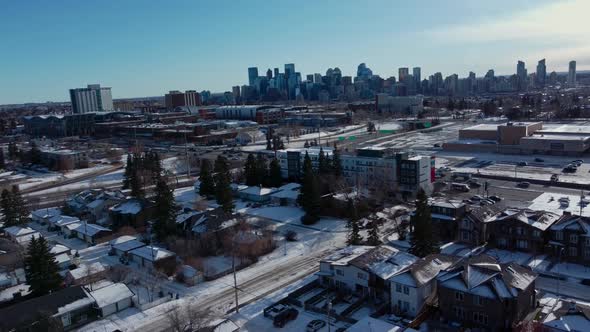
(21, 235)
(445, 217)
(71, 307)
(59, 221)
(151, 256)
(89, 233)
(112, 298)
(473, 227)
(124, 244)
(86, 274)
(94, 204)
(567, 316)
(256, 194)
(570, 239)
(132, 212)
(62, 256)
(482, 293)
(42, 216)
(521, 229)
(363, 269)
(286, 194)
(411, 289)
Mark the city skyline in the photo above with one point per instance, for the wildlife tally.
(142, 62)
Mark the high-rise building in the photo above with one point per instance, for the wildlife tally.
(276, 73)
(571, 74)
(252, 75)
(521, 74)
(363, 72)
(309, 77)
(269, 74)
(91, 99)
(416, 72)
(289, 70)
(317, 78)
(403, 72)
(490, 74)
(236, 91)
(541, 73)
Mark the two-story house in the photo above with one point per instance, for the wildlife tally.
(363, 270)
(521, 229)
(410, 290)
(472, 228)
(482, 293)
(445, 216)
(570, 238)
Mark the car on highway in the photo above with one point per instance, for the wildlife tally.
(570, 168)
(284, 317)
(539, 160)
(315, 325)
(495, 198)
(522, 163)
(523, 184)
(554, 177)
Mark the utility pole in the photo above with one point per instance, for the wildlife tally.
(233, 266)
(188, 161)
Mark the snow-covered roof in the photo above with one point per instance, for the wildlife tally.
(425, 269)
(290, 186)
(574, 223)
(78, 304)
(568, 316)
(96, 203)
(128, 245)
(61, 220)
(46, 213)
(111, 294)
(385, 261)
(289, 191)
(258, 191)
(122, 239)
(17, 231)
(152, 253)
(368, 323)
(345, 255)
(87, 270)
(90, 229)
(182, 217)
(62, 258)
(537, 219)
(131, 206)
(58, 249)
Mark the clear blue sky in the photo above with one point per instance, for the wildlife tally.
(145, 48)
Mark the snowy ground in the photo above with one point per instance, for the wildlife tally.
(38, 178)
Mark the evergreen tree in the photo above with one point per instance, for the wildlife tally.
(423, 241)
(250, 171)
(207, 187)
(129, 171)
(354, 236)
(35, 154)
(323, 163)
(21, 212)
(274, 173)
(373, 239)
(223, 194)
(165, 215)
(41, 269)
(135, 184)
(336, 163)
(8, 210)
(261, 171)
(155, 166)
(2, 161)
(309, 195)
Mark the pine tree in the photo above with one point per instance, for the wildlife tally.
(129, 170)
(155, 166)
(19, 205)
(323, 168)
(223, 194)
(274, 173)
(354, 236)
(8, 209)
(373, 238)
(423, 241)
(261, 171)
(250, 171)
(207, 186)
(41, 269)
(309, 195)
(2, 161)
(336, 163)
(165, 215)
(35, 154)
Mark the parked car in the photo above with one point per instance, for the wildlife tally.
(523, 184)
(554, 177)
(315, 325)
(570, 168)
(476, 198)
(284, 317)
(578, 162)
(495, 198)
(522, 163)
(468, 201)
(487, 202)
(275, 310)
(474, 184)
(539, 160)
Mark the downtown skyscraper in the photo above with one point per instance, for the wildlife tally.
(571, 74)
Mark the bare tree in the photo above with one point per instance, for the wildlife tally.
(189, 316)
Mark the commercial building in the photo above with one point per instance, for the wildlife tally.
(523, 138)
(571, 74)
(175, 99)
(93, 98)
(59, 125)
(399, 104)
(541, 73)
(64, 159)
(258, 113)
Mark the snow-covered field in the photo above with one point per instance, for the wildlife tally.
(38, 178)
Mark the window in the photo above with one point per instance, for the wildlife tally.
(537, 233)
(559, 235)
(502, 242)
(406, 290)
(587, 252)
(459, 312)
(459, 296)
(398, 288)
(519, 231)
(588, 241)
(574, 238)
(362, 276)
(480, 317)
(522, 244)
(339, 272)
(573, 251)
(478, 300)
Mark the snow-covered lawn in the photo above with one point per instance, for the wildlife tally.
(292, 215)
